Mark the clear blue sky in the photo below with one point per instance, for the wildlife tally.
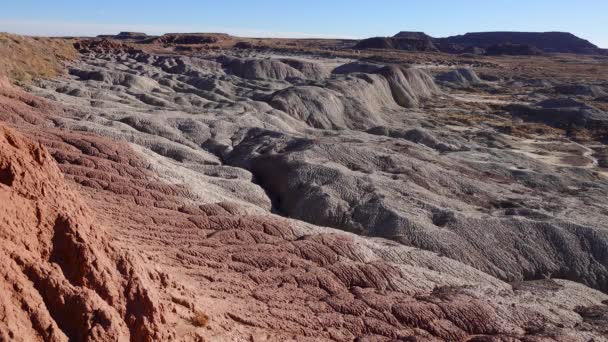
(298, 18)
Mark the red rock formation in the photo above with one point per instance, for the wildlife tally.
(61, 277)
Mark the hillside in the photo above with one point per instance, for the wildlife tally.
(23, 58)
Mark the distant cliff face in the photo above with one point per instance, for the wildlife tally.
(545, 41)
(413, 35)
(407, 44)
(548, 42)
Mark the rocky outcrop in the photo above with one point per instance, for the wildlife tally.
(462, 77)
(565, 113)
(61, 278)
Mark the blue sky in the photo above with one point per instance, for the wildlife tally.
(300, 18)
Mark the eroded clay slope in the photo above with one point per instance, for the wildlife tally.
(229, 272)
(185, 159)
(371, 148)
(264, 277)
(61, 278)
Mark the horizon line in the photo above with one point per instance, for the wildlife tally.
(43, 28)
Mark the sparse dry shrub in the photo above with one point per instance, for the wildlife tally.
(200, 319)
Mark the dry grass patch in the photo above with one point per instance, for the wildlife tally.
(26, 58)
(200, 319)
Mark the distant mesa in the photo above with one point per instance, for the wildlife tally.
(126, 35)
(413, 35)
(131, 35)
(407, 44)
(556, 42)
(189, 38)
(478, 43)
(491, 43)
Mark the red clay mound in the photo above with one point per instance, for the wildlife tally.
(60, 278)
(19, 107)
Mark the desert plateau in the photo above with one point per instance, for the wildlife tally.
(211, 187)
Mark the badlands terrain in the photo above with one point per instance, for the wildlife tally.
(203, 187)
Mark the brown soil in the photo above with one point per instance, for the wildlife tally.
(25, 58)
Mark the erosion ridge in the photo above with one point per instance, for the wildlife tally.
(457, 211)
